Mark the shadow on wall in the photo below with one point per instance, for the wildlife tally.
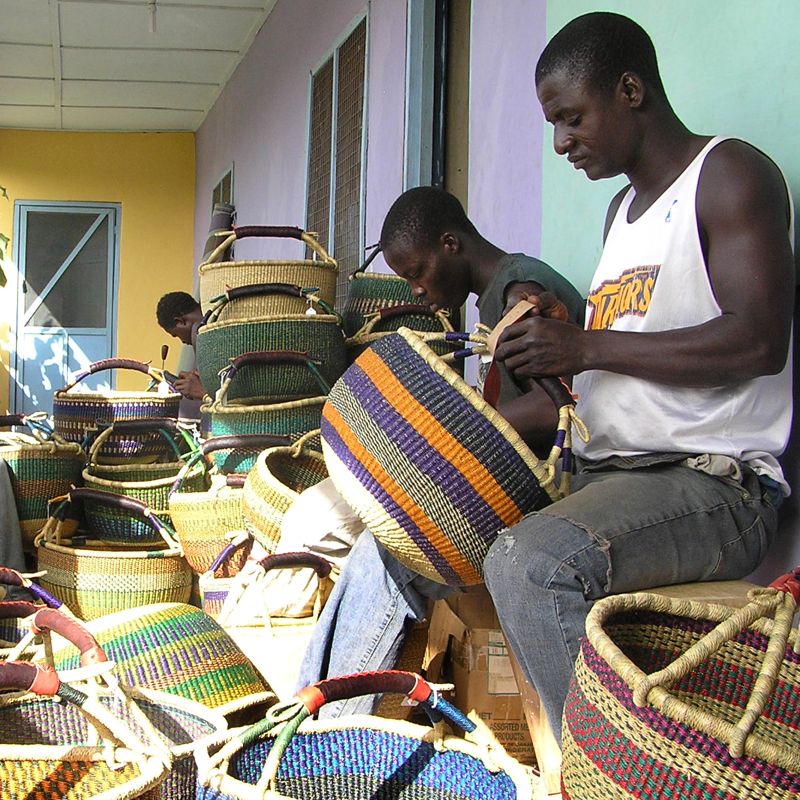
(784, 554)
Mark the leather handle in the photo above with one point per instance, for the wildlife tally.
(299, 559)
(249, 441)
(407, 308)
(254, 289)
(10, 420)
(27, 677)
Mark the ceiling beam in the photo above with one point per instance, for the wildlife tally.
(55, 37)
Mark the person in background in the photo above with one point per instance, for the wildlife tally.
(683, 368)
(180, 315)
(428, 239)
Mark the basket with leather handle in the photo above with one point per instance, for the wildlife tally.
(149, 483)
(431, 468)
(40, 465)
(204, 519)
(677, 698)
(291, 418)
(93, 578)
(218, 277)
(279, 476)
(289, 755)
(76, 413)
(266, 300)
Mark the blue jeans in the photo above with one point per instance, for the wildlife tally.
(620, 530)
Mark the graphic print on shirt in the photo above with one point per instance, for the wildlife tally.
(625, 296)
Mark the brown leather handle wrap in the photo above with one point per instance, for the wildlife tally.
(272, 231)
(10, 577)
(17, 609)
(72, 630)
(387, 681)
(245, 441)
(370, 258)
(253, 289)
(167, 424)
(118, 363)
(129, 504)
(556, 390)
(9, 420)
(235, 480)
(406, 308)
(299, 559)
(29, 677)
(271, 357)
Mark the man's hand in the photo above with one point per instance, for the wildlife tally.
(537, 346)
(188, 384)
(545, 304)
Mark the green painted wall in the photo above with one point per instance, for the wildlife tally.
(729, 67)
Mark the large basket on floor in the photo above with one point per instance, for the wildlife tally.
(76, 413)
(675, 698)
(361, 756)
(93, 578)
(148, 483)
(431, 468)
(217, 277)
(41, 465)
(279, 476)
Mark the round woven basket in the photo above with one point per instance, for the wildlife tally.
(217, 277)
(680, 699)
(432, 469)
(275, 482)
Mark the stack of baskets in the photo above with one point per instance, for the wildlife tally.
(270, 345)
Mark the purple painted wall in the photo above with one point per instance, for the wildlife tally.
(260, 121)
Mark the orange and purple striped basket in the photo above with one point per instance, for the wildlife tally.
(432, 469)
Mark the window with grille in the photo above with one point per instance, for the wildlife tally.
(223, 191)
(334, 202)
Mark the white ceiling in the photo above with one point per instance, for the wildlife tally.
(120, 65)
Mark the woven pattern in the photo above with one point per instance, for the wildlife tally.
(39, 472)
(274, 483)
(174, 648)
(616, 748)
(320, 336)
(293, 418)
(368, 293)
(432, 470)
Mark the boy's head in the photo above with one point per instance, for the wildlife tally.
(422, 239)
(177, 312)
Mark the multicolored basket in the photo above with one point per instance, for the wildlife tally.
(94, 579)
(679, 699)
(218, 277)
(430, 467)
(291, 418)
(149, 483)
(279, 476)
(237, 454)
(289, 755)
(75, 414)
(41, 465)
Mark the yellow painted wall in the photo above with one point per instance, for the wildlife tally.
(152, 176)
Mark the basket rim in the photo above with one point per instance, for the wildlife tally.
(155, 483)
(270, 318)
(217, 407)
(297, 262)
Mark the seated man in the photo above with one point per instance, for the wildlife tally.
(682, 371)
(428, 240)
(180, 315)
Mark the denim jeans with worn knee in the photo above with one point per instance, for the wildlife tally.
(362, 627)
(620, 530)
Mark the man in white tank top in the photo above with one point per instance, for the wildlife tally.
(683, 368)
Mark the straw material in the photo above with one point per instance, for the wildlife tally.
(275, 482)
(369, 292)
(680, 699)
(432, 470)
(174, 648)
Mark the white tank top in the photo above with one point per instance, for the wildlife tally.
(652, 277)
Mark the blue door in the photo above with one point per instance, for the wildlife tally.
(67, 257)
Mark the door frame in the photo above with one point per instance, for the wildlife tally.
(21, 207)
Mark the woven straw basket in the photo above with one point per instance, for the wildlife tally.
(680, 699)
(432, 470)
(217, 277)
(351, 758)
(279, 476)
(41, 465)
(75, 414)
(94, 579)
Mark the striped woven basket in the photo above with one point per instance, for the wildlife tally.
(237, 454)
(41, 465)
(289, 755)
(76, 414)
(431, 468)
(279, 476)
(218, 277)
(94, 579)
(148, 483)
(679, 699)
(255, 415)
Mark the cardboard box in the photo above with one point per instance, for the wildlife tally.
(467, 648)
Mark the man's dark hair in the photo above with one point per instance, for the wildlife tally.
(598, 48)
(421, 215)
(173, 305)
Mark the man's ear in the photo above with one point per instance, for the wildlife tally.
(632, 89)
(450, 242)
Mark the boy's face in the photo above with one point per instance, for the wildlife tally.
(437, 275)
(181, 329)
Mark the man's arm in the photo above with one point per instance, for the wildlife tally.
(742, 211)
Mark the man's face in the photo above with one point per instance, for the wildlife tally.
(181, 329)
(437, 275)
(593, 128)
